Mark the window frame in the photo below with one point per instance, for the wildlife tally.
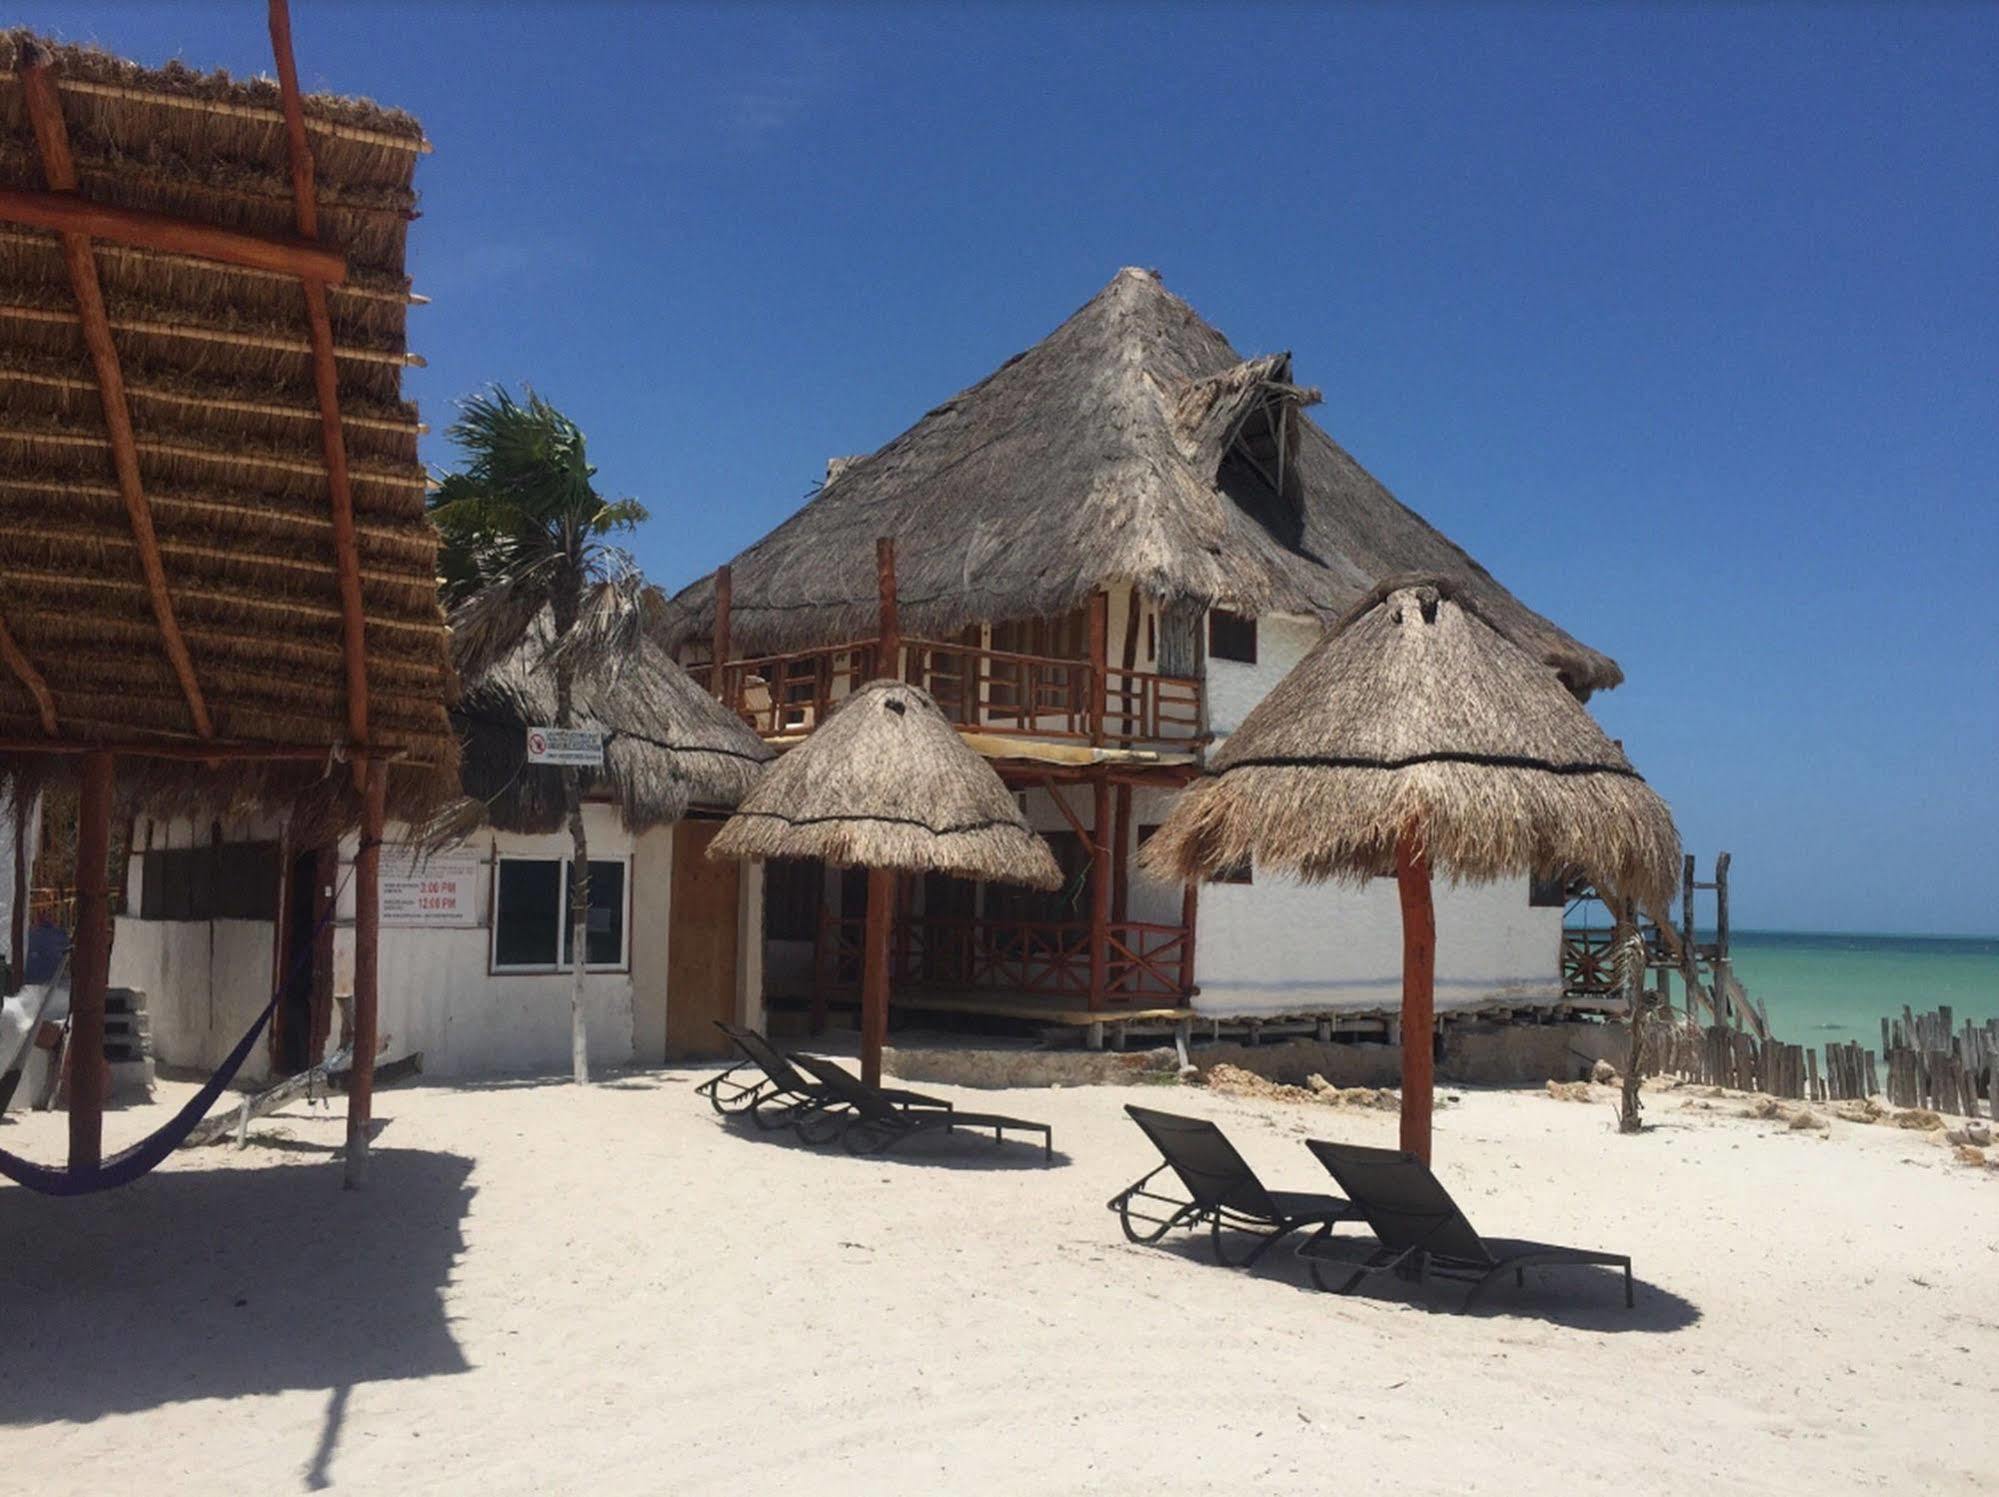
(559, 967)
(1223, 617)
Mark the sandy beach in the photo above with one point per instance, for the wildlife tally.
(548, 1289)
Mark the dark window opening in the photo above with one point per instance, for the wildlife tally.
(531, 926)
(232, 881)
(1231, 637)
(793, 889)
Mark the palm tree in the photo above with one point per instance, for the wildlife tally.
(526, 534)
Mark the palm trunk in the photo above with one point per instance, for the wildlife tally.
(579, 873)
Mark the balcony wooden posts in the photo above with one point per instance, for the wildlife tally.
(1419, 977)
(90, 966)
(725, 597)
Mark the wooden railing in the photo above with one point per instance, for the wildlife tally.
(1146, 964)
(983, 690)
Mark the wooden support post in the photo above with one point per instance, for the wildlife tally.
(719, 646)
(874, 973)
(1419, 975)
(1722, 965)
(90, 964)
(367, 971)
(1121, 855)
(1100, 607)
(1190, 910)
(1100, 892)
(890, 663)
(17, 916)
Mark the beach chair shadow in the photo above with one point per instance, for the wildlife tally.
(219, 1283)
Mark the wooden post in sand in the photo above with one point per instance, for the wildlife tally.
(874, 973)
(1419, 978)
(367, 987)
(90, 968)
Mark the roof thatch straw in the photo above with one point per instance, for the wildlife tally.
(668, 743)
(1417, 713)
(217, 367)
(887, 783)
(1102, 455)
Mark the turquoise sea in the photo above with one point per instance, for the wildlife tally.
(1832, 988)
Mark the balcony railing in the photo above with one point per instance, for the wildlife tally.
(988, 691)
(1145, 964)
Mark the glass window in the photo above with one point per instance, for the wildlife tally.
(605, 938)
(531, 914)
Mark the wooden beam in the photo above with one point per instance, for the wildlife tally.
(1047, 782)
(24, 669)
(51, 135)
(720, 644)
(1100, 892)
(90, 965)
(367, 972)
(1100, 681)
(874, 973)
(890, 663)
(67, 213)
(326, 385)
(1419, 993)
(1190, 916)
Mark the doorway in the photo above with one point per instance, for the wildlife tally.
(701, 954)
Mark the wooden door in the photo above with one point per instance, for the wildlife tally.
(701, 956)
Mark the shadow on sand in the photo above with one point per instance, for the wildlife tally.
(197, 1283)
(1581, 1298)
(958, 1149)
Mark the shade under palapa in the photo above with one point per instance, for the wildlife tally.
(1414, 713)
(887, 783)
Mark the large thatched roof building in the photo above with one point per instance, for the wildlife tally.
(1134, 444)
(668, 744)
(174, 493)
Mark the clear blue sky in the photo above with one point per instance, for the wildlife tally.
(1684, 321)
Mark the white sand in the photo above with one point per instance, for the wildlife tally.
(612, 1291)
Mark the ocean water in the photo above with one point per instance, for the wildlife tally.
(1822, 989)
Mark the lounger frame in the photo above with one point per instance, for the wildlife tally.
(873, 1124)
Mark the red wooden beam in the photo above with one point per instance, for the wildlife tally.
(31, 678)
(326, 384)
(1100, 892)
(874, 974)
(1419, 993)
(52, 136)
(67, 213)
(90, 964)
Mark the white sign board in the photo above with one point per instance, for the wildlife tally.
(583, 747)
(444, 891)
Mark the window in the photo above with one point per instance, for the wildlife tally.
(1231, 637)
(531, 914)
(792, 891)
(229, 881)
(1548, 893)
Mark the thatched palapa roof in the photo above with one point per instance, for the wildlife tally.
(1124, 447)
(1416, 712)
(886, 782)
(230, 470)
(668, 743)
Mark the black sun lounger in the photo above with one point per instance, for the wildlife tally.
(877, 1124)
(781, 1096)
(1225, 1191)
(1420, 1226)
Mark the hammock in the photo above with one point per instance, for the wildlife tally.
(144, 1156)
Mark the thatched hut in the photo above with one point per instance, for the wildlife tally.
(888, 785)
(215, 567)
(1416, 738)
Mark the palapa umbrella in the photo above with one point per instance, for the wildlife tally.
(887, 784)
(1414, 738)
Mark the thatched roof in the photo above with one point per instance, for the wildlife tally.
(1416, 711)
(1098, 456)
(218, 374)
(886, 782)
(669, 745)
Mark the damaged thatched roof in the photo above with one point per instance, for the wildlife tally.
(216, 364)
(1417, 713)
(888, 783)
(1111, 451)
(669, 744)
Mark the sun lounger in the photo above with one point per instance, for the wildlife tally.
(1421, 1227)
(877, 1124)
(1225, 1192)
(780, 1096)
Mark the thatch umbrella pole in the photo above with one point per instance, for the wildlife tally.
(874, 973)
(367, 972)
(1419, 992)
(90, 966)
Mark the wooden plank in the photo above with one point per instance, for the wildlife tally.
(326, 387)
(69, 214)
(702, 952)
(51, 135)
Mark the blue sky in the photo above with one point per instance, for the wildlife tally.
(1683, 320)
